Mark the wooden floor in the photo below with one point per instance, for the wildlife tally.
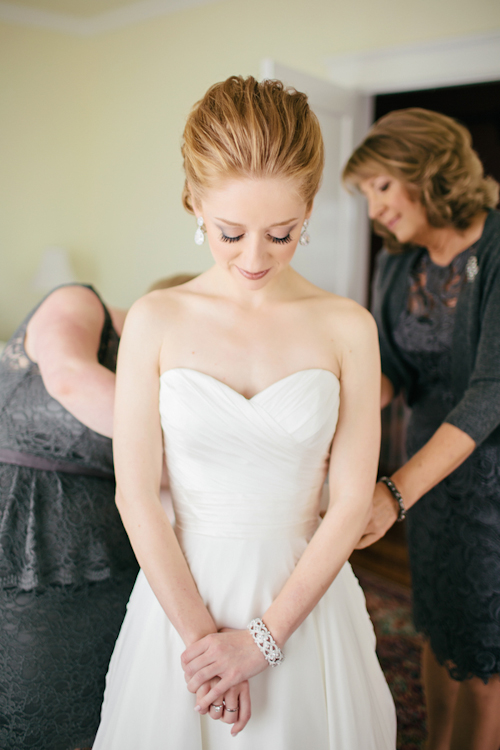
(388, 557)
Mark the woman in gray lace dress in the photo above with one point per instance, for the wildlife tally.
(66, 565)
(437, 305)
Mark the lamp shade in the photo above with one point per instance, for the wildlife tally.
(55, 268)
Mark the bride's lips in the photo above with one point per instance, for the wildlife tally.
(252, 276)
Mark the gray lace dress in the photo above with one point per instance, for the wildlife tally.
(453, 530)
(66, 566)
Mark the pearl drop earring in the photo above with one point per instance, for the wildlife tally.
(304, 238)
(199, 235)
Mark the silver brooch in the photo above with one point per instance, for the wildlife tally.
(471, 268)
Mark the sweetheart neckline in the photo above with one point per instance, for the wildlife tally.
(259, 393)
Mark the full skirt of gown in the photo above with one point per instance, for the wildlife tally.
(246, 478)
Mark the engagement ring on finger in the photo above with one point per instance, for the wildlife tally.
(217, 708)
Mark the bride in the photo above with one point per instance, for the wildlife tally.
(265, 384)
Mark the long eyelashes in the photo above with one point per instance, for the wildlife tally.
(282, 240)
(276, 240)
(225, 238)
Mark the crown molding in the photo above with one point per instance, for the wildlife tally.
(112, 20)
(445, 62)
(41, 19)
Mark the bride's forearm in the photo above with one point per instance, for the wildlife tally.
(321, 562)
(160, 557)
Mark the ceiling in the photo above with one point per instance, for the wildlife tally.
(89, 17)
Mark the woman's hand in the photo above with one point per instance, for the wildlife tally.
(232, 708)
(384, 514)
(230, 654)
(441, 455)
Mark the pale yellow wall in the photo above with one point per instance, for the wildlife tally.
(90, 128)
(43, 159)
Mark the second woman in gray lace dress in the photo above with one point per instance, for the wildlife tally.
(66, 565)
(437, 305)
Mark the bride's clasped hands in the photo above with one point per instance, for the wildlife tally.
(217, 668)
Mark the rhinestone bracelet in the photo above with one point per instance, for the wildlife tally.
(396, 495)
(266, 643)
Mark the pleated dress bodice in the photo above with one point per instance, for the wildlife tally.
(243, 467)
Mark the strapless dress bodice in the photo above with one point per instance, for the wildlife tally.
(248, 467)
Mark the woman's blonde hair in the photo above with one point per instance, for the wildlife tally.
(246, 128)
(433, 156)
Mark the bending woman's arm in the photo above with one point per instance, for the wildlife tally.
(63, 338)
(353, 464)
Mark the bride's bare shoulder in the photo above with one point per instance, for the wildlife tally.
(346, 324)
(340, 312)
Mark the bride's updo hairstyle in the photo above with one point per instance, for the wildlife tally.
(243, 128)
(433, 156)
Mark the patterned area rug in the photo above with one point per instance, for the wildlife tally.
(398, 649)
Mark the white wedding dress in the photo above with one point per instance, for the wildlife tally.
(246, 477)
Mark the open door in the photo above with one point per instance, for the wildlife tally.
(337, 258)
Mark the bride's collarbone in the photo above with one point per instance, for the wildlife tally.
(250, 364)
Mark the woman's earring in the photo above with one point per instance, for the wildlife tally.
(199, 235)
(304, 238)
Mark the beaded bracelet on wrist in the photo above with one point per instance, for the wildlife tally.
(265, 642)
(396, 495)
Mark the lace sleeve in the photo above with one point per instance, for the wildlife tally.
(478, 411)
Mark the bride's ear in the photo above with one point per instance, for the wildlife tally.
(188, 199)
(194, 203)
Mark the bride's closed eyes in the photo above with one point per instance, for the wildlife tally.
(277, 240)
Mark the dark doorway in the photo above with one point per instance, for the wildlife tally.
(476, 106)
